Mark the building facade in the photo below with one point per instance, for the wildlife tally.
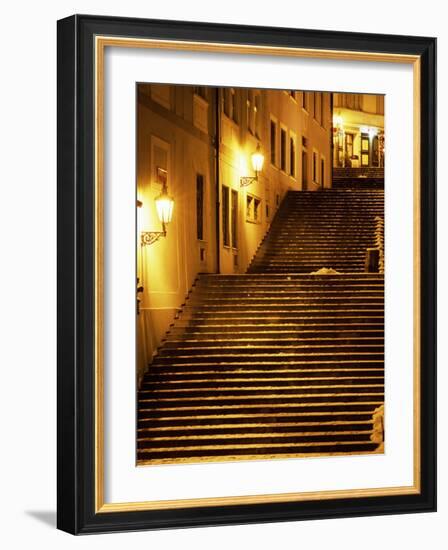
(358, 131)
(198, 141)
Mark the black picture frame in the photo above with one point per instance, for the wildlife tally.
(76, 473)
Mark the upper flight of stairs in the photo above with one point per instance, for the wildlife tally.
(358, 178)
(272, 363)
(313, 229)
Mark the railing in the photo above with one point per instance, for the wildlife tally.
(377, 435)
(374, 262)
(379, 241)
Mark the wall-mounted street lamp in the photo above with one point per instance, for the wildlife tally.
(164, 207)
(257, 159)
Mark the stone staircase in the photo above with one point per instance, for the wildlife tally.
(276, 362)
(358, 178)
(328, 228)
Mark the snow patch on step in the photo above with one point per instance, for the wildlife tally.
(326, 271)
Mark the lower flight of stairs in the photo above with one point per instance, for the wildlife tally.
(264, 365)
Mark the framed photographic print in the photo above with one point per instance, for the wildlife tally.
(246, 274)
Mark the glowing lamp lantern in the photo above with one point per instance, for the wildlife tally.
(257, 160)
(338, 121)
(164, 207)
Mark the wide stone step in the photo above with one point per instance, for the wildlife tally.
(269, 429)
(305, 259)
(153, 381)
(264, 392)
(246, 440)
(359, 277)
(280, 281)
(258, 403)
(255, 349)
(279, 340)
(286, 303)
(284, 296)
(313, 376)
(307, 269)
(286, 287)
(300, 249)
(223, 411)
(257, 323)
(277, 360)
(251, 418)
(273, 363)
(286, 317)
(233, 452)
(248, 335)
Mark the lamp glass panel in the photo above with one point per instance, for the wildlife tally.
(164, 206)
(257, 161)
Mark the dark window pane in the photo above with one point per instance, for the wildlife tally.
(200, 206)
(292, 157)
(283, 149)
(234, 218)
(225, 216)
(273, 141)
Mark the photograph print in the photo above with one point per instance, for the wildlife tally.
(260, 274)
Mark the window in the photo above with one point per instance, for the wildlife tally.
(365, 150)
(234, 218)
(352, 101)
(201, 91)
(375, 151)
(315, 105)
(315, 179)
(233, 105)
(230, 104)
(349, 145)
(292, 156)
(229, 212)
(257, 210)
(250, 111)
(305, 101)
(273, 142)
(304, 169)
(257, 114)
(322, 114)
(200, 207)
(225, 216)
(253, 209)
(283, 149)
(322, 172)
(161, 93)
(380, 104)
(226, 101)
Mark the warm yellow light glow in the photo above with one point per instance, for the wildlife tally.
(139, 216)
(257, 160)
(164, 206)
(338, 120)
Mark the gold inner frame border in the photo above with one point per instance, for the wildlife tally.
(101, 42)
